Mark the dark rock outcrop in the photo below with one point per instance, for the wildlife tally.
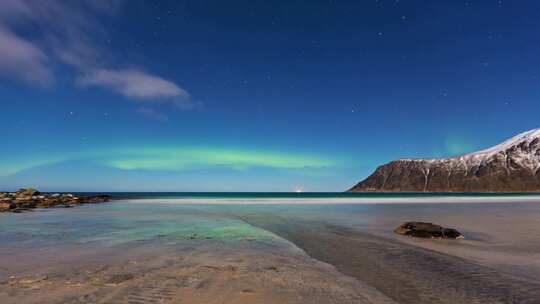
(428, 230)
(513, 166)
(26, 199)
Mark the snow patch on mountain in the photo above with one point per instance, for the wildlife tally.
(528, 137)
(524, 157)
(513, 165)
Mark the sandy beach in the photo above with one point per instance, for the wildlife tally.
(207, 273)
(152, 252)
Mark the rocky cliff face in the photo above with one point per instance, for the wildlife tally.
(512, 166)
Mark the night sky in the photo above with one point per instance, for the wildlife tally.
(255, 95)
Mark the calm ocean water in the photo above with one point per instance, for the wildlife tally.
(302, 195)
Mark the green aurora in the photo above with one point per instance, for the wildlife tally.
(174, 158)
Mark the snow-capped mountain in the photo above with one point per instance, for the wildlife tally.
(512, 166)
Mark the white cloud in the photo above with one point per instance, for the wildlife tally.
(66, 37)
(133, 84)
(21, 59)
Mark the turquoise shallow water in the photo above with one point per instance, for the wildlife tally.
(502, 234)
(121, 223)
(511, 226)
(175, 217)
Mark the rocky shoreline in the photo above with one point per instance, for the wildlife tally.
(28, 199)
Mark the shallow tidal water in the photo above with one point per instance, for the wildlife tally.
(268, 250)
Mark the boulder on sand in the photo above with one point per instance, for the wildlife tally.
(428, 230)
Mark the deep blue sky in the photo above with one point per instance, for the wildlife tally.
(255, 95)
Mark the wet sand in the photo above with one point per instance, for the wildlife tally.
(206, 272)
(150, 254)
(177, 253)
(403, 272)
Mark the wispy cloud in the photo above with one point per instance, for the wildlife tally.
(64, 33)
(134, 84)
(21, 59)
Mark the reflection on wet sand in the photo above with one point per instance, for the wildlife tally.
(177, 253)
(405, 273)
(205, 272)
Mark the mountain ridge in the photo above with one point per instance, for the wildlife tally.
(511, 166)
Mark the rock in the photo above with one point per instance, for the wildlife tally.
(450, 233)
(6, 206)
(428, 230)
(26, 203)
(27, 199)
(27, 192)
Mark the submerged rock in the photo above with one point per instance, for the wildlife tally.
(428, 230)
(93, 199)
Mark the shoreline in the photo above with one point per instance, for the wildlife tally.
(334, 201)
